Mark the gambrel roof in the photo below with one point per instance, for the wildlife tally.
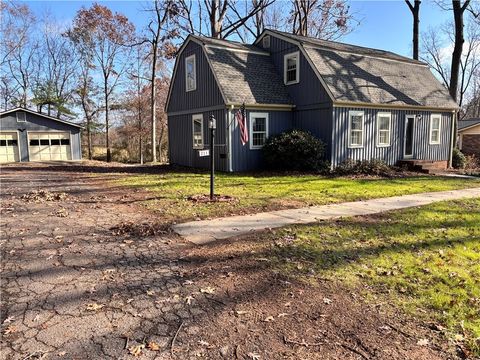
(364, 76)
(245, 73)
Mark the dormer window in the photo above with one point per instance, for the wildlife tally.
(266, 42)
(292, 68)
(190, 73)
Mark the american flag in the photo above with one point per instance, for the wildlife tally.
(242, 124)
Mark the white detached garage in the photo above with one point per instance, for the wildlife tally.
(26, 135)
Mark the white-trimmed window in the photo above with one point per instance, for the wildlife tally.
(291, 63)
(384, 128)
(258, 130)
(197, 131)
(190, 73)
(266, 41)
(355, 128)
(21, 116)
(435, 126)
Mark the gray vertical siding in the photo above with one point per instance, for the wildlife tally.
(207, 92)
(34, 122)
(318, 122)
(393, 153)
(181, 141)
(309, 91)
(246, 159)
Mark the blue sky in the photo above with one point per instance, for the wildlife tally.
(384, 25)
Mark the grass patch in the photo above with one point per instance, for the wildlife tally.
(262, 193)
(426, 260)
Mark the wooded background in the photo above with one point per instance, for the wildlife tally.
(113, 78)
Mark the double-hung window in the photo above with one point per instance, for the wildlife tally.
(355, 129)
(435, 125)
(384, 126)
(197, 131)
(292, 68)
(190, 73)
(258, 130)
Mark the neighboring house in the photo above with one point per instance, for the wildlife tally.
(363, 103)
(26, 135)
(469, 137)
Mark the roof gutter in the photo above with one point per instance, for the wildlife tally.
(286, 107)
(393, 107)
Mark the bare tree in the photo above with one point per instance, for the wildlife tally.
(160, 36)
(105, 35)
(415, 9)
(325, 19)
(224, 16)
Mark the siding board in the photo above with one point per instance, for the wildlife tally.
(393, 153)
(246, 159)
(181, 149)
(207, 93)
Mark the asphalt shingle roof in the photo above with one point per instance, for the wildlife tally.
(247, 77)
(462, 124)
(353, 74)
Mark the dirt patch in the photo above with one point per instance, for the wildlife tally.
(258, 313)
(202, 199)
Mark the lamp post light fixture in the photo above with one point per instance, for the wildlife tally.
(212, 125)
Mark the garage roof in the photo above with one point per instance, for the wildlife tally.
(40, 114)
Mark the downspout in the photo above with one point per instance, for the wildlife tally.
(452, 137)
(229, 129)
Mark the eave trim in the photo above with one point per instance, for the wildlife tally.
(393, 107)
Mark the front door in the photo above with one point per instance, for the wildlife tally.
(409, 136)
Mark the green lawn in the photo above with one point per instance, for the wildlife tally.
(426, 260)
(262, 193)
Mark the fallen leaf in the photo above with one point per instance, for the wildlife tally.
(152, 345)
(282, 314)
(253, 356)
(150, 292)
(8, 319)
(327, 301)
(94, 307)
(241, 312)
(269, 318)
(9, 330)
(136, 350)
(62, 353)
(188, 300)
(203, 343)
(188, 282)
(459, 337)
(208, 290)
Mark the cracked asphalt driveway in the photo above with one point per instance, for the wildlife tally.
(71, 287)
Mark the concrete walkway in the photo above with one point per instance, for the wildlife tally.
(205, 231)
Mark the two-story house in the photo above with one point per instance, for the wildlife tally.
(363, 103)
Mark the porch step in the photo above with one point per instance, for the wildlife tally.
(424, 166)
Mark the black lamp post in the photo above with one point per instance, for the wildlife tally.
(212, 125)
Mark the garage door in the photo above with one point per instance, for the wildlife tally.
(9, 147)
(49, 146)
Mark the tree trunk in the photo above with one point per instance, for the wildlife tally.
(109, 155)
(457, 49)
(89, 138)
(416, 25)
(153, 101)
